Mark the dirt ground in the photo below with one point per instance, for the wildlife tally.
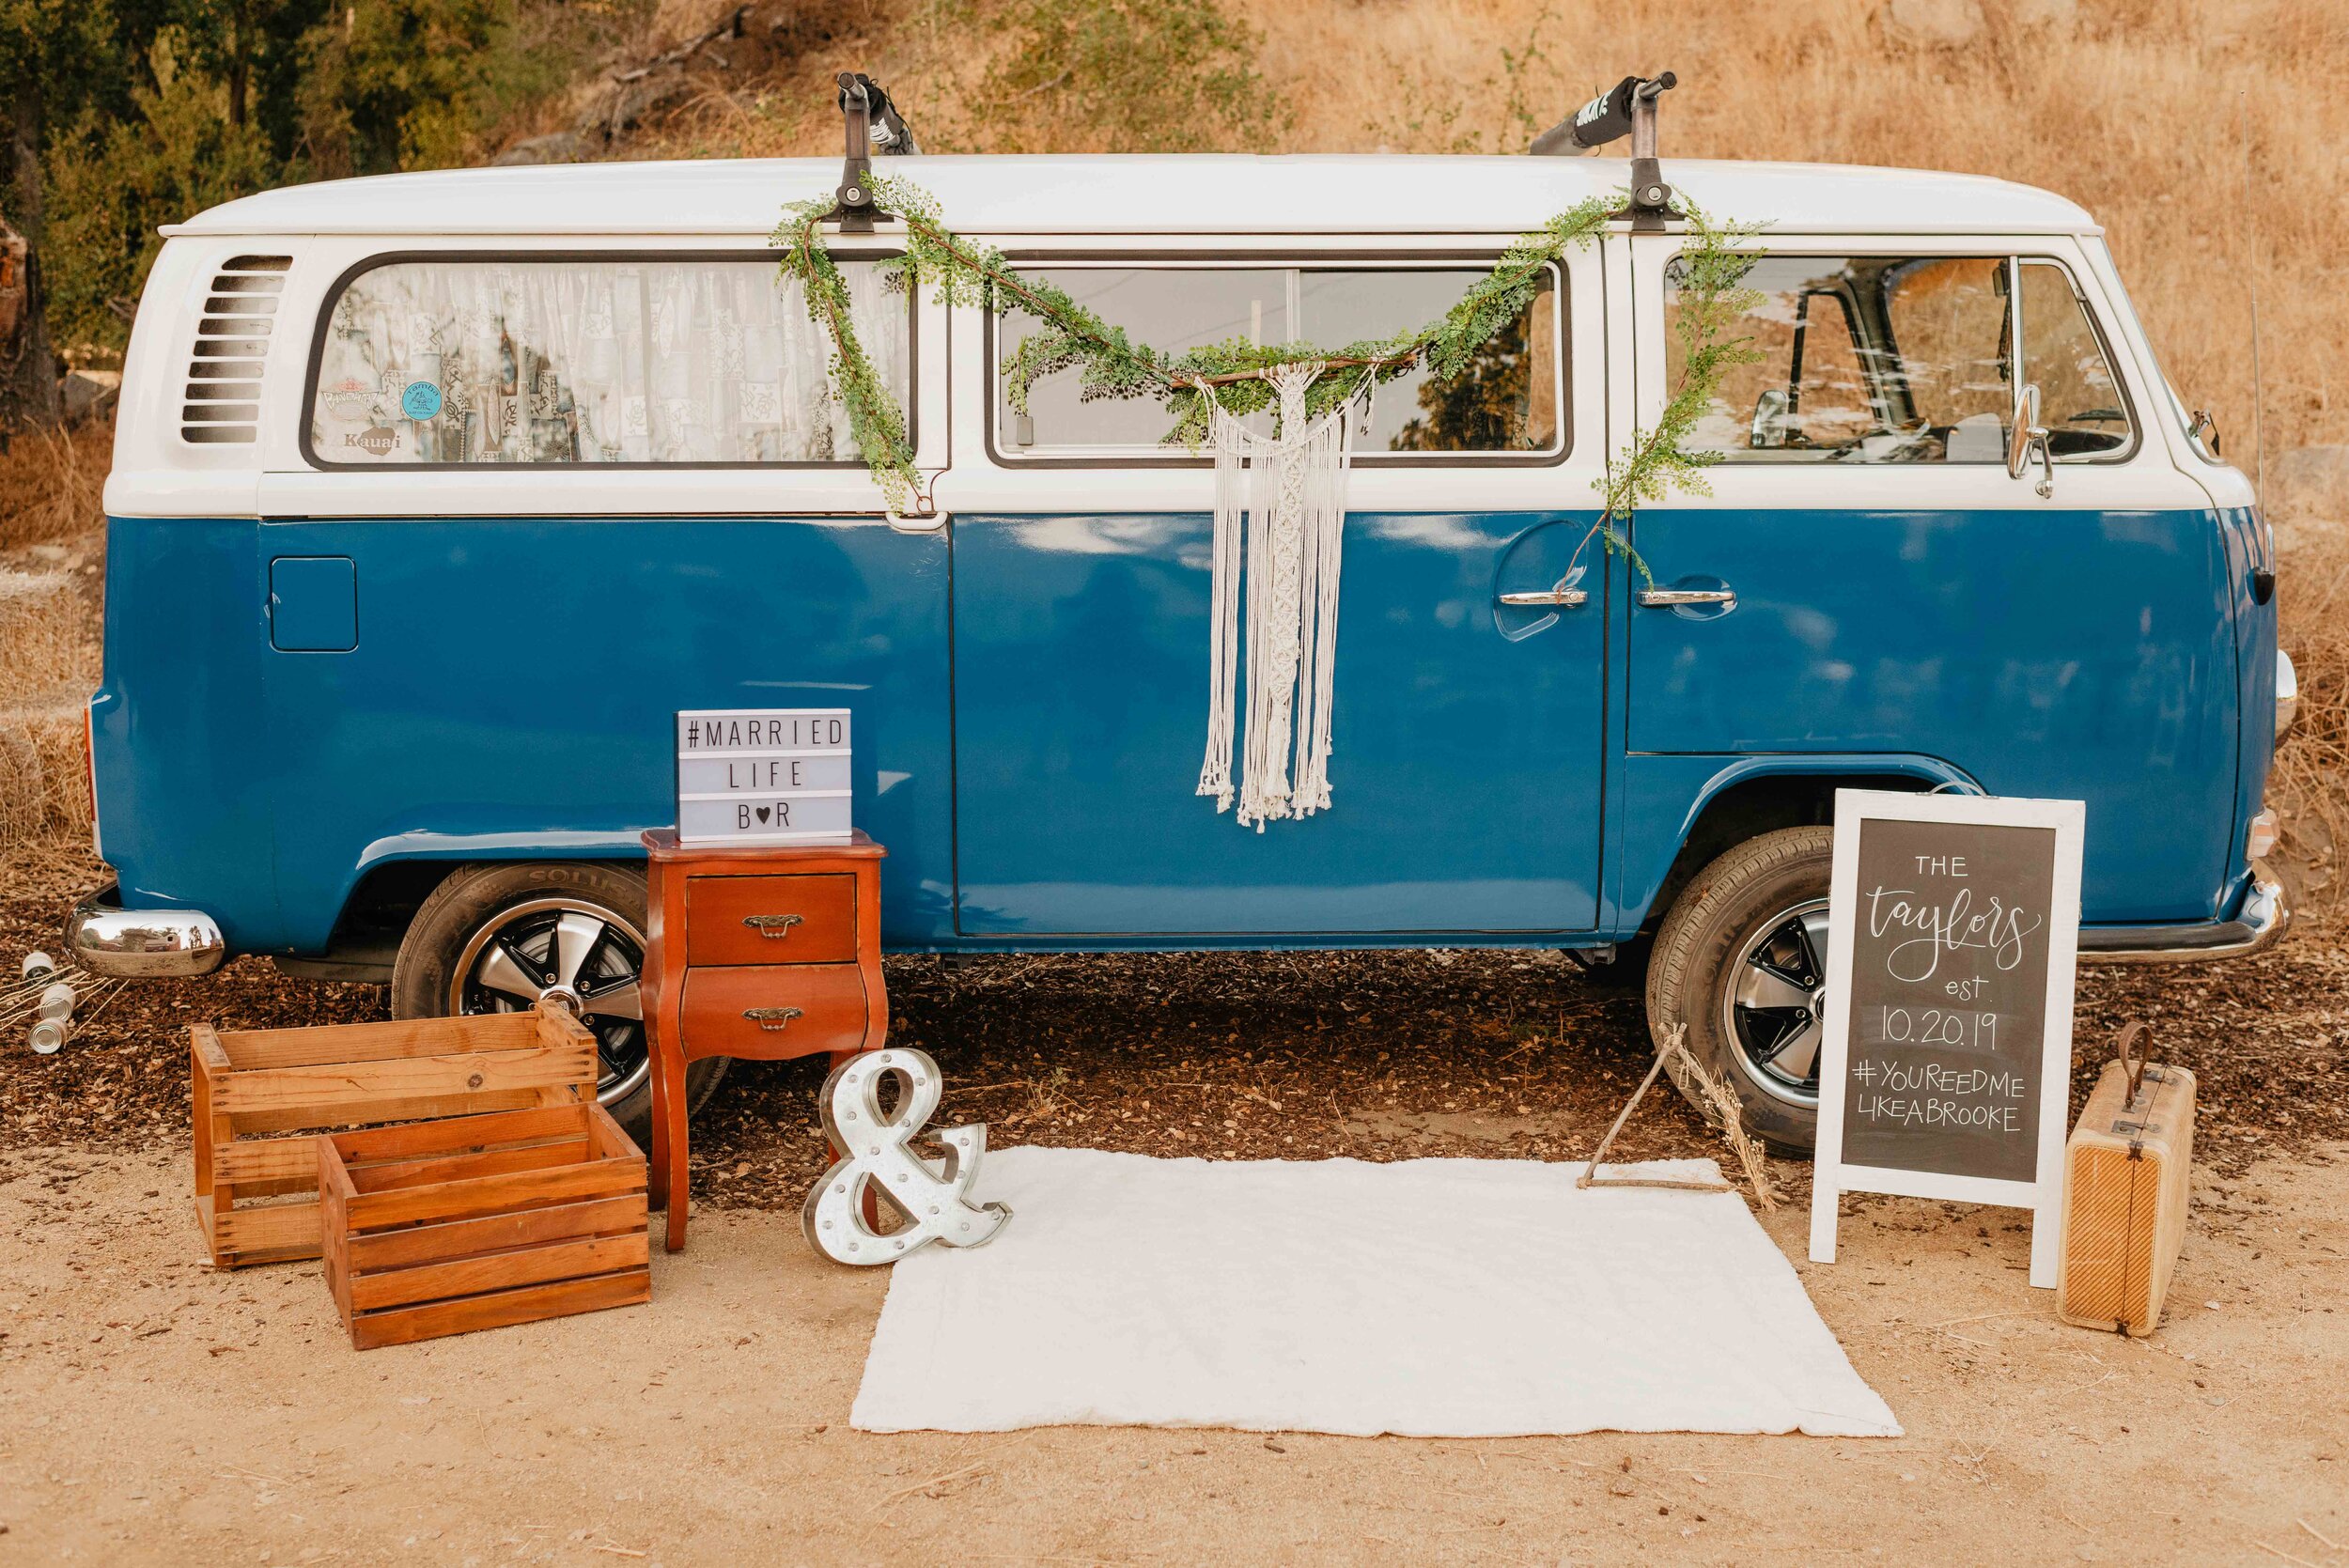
(153, 1411)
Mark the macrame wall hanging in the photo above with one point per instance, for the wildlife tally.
(1280, 535)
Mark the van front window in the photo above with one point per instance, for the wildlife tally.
(1904, 360)
(589, 361)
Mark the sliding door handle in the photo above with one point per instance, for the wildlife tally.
(1567, 598)
(1664, 598)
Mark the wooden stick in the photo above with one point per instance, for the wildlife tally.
(1589, 1176)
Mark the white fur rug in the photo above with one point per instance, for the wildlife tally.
(1429, 1297)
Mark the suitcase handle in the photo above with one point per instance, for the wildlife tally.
(2135, 1069)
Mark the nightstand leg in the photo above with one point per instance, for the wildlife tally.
(657, 1156)
(673, 1117)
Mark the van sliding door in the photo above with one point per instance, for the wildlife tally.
(1466, 774)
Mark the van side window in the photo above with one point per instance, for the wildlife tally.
(468, 361)
(1506, 402)
(1902, 360)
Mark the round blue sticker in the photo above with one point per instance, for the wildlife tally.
(422, 400)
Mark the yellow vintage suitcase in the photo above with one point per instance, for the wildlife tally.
(2126, 1171)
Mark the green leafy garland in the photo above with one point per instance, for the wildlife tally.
(1710, 271)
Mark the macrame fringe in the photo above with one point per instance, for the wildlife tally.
(1280, 527)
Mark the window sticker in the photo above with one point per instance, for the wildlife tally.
(422, 400)
(349, 400)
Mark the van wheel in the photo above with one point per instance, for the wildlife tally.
(1741, 961)
(495, 939)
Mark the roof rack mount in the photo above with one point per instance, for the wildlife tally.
(873, 125)
(1629, 107)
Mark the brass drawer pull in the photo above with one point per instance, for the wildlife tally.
(772, 1020)
(774, 927)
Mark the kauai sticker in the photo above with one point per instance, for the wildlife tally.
(377, 441)
(421, 400)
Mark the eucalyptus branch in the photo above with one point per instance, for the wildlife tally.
(1711, 296)
(1234, 375)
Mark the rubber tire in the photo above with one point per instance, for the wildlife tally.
(472, 897)
(1694, 948)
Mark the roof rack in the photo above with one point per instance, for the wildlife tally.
(1629, 107)
(874, 126)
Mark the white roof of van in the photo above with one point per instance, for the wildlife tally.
(1214, 194)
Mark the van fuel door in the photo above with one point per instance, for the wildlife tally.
(313, 604)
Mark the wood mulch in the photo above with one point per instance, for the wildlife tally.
(1223, 1055)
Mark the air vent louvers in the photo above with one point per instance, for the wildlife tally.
(224, 392)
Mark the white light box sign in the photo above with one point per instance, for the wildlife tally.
(763, 776)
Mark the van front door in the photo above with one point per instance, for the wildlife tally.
(1881, 584)
(1466, 775)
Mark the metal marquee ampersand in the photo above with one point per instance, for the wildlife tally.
(874, 1146)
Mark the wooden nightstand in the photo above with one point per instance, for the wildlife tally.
(762, 952)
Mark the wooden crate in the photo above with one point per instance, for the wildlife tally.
(255, 1082)
(482, 1221)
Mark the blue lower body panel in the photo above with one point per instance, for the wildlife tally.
(508, 696)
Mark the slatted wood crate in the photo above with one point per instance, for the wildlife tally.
(249, 1084)
(482, 1221)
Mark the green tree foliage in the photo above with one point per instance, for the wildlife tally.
(413, 84)
(252, 49)
(113, 179)
(1122, 76)
(129, 114)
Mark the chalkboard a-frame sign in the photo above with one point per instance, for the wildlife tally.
(1945, 1071)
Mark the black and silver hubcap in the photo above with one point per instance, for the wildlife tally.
(1774, 1008)
(577, 951)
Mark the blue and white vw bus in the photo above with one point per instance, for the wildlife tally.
(436, 496)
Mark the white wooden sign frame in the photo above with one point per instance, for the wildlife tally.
(1830, 1178)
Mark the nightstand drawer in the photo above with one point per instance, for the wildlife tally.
(770, 920)
(765, 1011)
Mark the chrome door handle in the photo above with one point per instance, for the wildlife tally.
(1569, 598)
(1662, 598)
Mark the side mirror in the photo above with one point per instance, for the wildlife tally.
(2029, 436)
(1770, 427)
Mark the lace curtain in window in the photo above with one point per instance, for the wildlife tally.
(591, 361)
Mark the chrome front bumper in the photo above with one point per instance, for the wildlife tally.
(141, 944)
(2265, 917)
